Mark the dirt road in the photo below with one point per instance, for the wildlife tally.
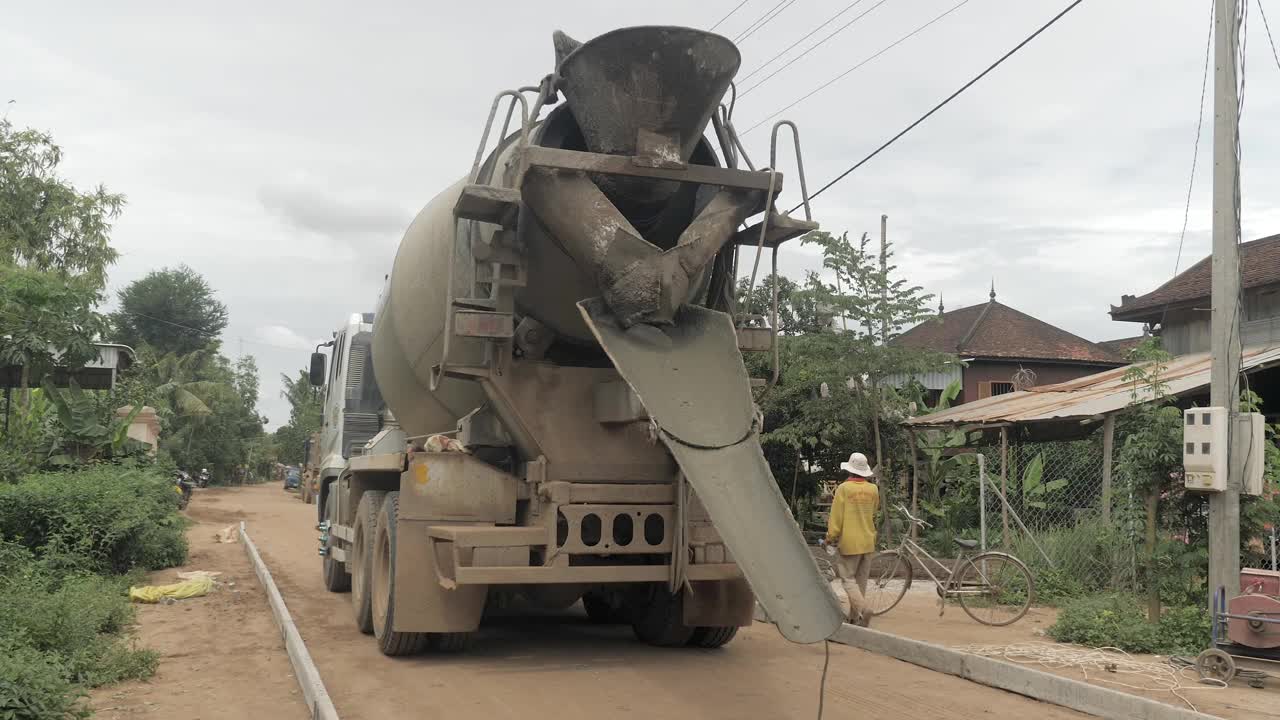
(221, 655)
(543, 666)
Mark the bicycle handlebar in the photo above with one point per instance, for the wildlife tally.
(902, 509)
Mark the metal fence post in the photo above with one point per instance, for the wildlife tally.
(1108, 445)
(982, 505)
(1004, 486)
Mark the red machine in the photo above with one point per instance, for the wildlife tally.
(1253, 618)
(1249, 626)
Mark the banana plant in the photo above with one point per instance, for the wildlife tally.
(79, 433)
(1035, 491)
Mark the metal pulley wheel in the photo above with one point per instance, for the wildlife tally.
(1214, 664)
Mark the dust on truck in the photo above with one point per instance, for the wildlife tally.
(565, 312)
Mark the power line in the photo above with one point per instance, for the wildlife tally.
(758, 20)
(197, 330)
(1270, 39)
(735, 9)
(942, 104)
(882, 51)
(767, 21)
(792, 46)
(1195, 150)
(815, 46)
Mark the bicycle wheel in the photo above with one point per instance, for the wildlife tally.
(995, 588)
(890, 577)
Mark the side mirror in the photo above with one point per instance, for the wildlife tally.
(317, 369)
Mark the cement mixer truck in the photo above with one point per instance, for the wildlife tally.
(567, 414)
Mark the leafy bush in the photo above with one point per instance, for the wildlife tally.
(1184, 629)
(77, 618)
(34, 685)
(115, 519)
(1055, 586)
(1119, 621)
(65, 540)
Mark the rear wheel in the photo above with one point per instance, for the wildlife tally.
(888, 582)
(361, 558)
(712, 637)
(390, 642)
(601, 611)
(995, 588)
(660, 621)
(336, 577)
(453, 642)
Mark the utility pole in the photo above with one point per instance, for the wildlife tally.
(1224, 388)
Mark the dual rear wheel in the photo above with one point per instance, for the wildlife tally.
(371, 578)
(656, 617)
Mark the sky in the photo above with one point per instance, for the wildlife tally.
(280, 149)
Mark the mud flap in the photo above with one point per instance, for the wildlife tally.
(691, 380)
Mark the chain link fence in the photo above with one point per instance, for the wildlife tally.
(1058, 516)
(1048, 508)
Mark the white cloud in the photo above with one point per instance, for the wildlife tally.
(284, 338)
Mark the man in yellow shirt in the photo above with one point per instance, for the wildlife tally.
(852, 530)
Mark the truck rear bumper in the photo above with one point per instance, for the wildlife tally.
(487, 555)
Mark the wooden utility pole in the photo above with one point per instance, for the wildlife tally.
(1224, 387)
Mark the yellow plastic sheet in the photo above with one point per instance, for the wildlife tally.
(194, 587)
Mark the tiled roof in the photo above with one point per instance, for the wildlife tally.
(1122, 347)
(995, 330)
(1259, 265)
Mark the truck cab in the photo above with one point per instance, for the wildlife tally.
(352, 407)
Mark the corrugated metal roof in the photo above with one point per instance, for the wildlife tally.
(1089, 396)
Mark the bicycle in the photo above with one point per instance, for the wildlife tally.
(994, 588)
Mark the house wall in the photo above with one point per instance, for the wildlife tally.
(1187, 331)
(982, 371)
(937, 380)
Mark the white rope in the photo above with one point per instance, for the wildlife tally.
(1159, 676)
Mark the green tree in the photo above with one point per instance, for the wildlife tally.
(833, 389)
(45, 321)
(184, 384)
(172, 309)
(45, 223)
(304, 417)
(798, 312)
(1150, 456)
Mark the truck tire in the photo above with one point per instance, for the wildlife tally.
(360, 560)
(660, 621)
(601, 611)
(336, 577)
(453, 642)
(712, 637)
(383, 589)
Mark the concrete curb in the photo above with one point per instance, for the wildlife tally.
(1046, 687)
(313, 692)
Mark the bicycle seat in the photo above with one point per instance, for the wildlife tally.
(966, 544)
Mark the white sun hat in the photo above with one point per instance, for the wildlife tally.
(857, 465)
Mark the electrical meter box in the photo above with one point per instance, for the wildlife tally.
(1254, 444)
(1204, 449)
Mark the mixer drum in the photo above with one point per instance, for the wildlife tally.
(409, 332)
